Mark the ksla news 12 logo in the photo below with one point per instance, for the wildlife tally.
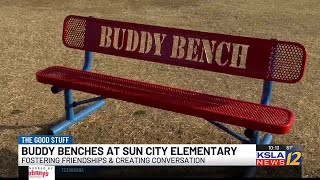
(279, 155)
(41, 172)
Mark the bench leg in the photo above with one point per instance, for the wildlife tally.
(252, 171)
(71, 117)
(267, 139)
(68, 101)
(254, 138)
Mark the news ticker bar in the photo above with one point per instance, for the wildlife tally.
(159, 171)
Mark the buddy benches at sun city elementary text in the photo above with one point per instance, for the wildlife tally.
(68, 154)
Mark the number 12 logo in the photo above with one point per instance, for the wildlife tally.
(294, 158)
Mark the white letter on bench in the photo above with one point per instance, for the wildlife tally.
(146, 37)
(133, 40)
(178, 43)
(208, 50)
(242, 54)
(116, 38)
(219, 53)
(105, 36)
(193, 49)
(158, 43)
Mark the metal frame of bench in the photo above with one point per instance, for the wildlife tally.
(72, 117)
(268, 72)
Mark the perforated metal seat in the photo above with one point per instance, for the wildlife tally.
(246, 114)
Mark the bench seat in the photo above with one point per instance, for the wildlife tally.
(212, 108)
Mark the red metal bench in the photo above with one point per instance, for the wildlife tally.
(269, 60)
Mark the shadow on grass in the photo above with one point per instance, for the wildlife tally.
(44, 129)
(8, 164)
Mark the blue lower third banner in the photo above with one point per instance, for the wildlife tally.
(44, 139)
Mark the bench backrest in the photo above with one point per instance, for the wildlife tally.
(244, 56)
